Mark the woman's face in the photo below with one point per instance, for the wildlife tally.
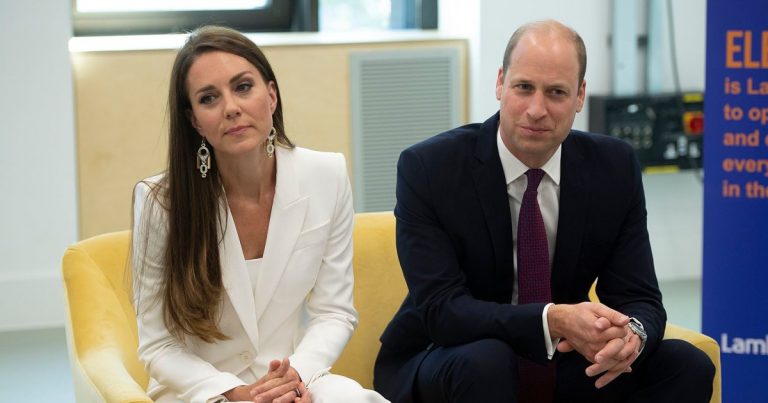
(232, 104)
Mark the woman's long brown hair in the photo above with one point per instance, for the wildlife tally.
(192, 286)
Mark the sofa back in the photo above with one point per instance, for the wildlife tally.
(102, 320)
(379, 291)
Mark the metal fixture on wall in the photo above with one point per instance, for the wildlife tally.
(665, 130)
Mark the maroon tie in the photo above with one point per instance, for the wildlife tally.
(537, 381)
(532, 248)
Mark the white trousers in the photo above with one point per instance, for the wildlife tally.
(328, 388)
(333, 388)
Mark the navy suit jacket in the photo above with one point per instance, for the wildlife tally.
(454, 242)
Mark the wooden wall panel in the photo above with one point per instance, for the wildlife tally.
(121, 115)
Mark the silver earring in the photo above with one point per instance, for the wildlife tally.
(203, 159)
(271, 142)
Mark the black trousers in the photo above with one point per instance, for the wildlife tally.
(486, 371)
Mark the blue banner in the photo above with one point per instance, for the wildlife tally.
(735, 277)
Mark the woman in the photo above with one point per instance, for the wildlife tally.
(243, 248)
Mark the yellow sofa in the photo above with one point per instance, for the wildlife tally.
(101, 327)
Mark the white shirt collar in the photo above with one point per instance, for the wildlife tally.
(514, 168)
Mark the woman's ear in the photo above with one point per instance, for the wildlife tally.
(192, 119)
(272, 96)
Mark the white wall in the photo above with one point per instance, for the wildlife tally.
(37, 144)
(675, 205)
(689, 22)
(674, 200)
(488, 25)
(38, 151)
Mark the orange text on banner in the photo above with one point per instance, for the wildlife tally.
(738, 50)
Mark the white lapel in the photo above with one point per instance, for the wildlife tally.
(235, 277)
(285, 224)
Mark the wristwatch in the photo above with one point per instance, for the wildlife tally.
(637, 328)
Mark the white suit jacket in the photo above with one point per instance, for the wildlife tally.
(302, 308)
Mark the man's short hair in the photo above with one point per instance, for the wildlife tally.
(548, 25)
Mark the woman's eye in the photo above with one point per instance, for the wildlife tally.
(244, 87)
(206, 99)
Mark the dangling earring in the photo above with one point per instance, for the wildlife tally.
(203, 159)
(271, 142)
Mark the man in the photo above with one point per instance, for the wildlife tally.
(475, 241)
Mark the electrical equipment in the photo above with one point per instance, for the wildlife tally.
(665, 129)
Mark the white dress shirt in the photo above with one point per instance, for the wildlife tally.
(549, 204)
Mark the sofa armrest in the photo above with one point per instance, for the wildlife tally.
(101, 325)
(706, 344)
(112, 378)
(100, 377)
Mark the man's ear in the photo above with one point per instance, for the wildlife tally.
(582, 93)
(499, 83)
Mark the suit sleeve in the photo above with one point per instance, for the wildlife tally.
(628, 282)
(166, 359)
(332, 316)
(448, 310)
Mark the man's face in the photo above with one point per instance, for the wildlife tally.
(540, 95)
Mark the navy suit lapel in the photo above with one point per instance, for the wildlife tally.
(491, 189)
(574, 198)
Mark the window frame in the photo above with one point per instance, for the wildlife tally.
(277, 16)
(419, 14)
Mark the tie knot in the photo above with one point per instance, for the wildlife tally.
(534, 178)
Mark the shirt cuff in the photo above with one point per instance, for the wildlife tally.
(550, 343)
